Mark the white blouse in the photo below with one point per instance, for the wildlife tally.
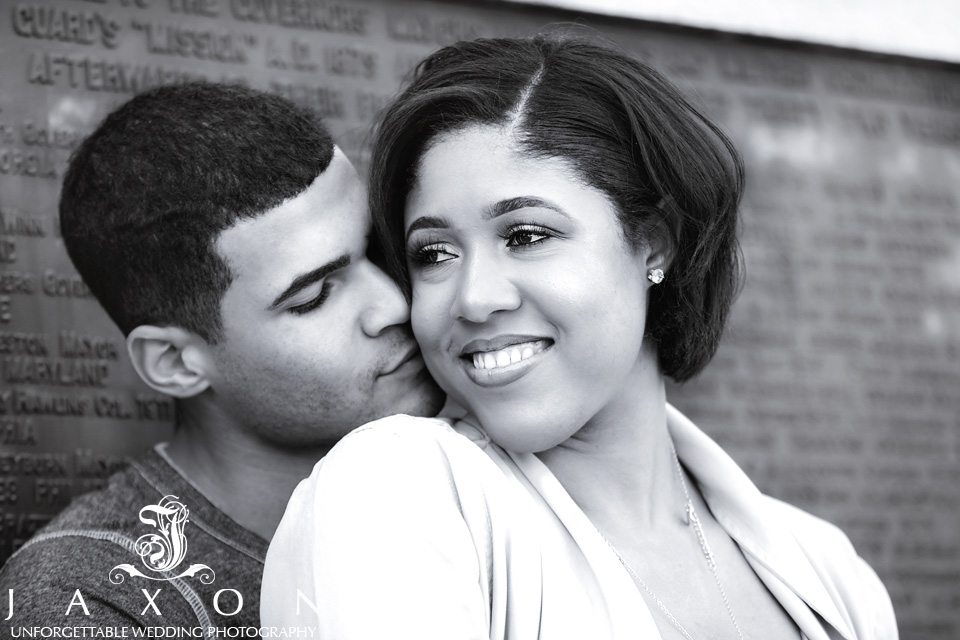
(413, 528)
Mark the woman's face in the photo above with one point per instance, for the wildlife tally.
(528, 304)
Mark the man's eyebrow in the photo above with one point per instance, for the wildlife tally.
(426, 222)
(520, 202)
(305, 280)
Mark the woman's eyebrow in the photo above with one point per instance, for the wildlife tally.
(426, 222)
(495, 210)
(520, 202)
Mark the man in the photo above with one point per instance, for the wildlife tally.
(226, 236)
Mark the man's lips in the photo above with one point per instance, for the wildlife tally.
(412, 353)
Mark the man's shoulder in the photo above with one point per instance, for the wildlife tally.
(91, 546)
(77, 549)
(114, 507)
(74, 553)
(107, 515)
(73, 545)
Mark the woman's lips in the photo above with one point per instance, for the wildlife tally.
(511, 354)
(504, 365)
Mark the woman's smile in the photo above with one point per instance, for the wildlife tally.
(502, 360)
(528, 303)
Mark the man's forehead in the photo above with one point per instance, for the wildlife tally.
(322, 222)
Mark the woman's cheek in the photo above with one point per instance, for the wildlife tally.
(427, 317)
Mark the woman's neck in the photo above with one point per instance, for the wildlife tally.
(620, 466)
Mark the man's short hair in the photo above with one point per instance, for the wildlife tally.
(146, 196)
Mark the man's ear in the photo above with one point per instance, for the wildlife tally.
(170, 360)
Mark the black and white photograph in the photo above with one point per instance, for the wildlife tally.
(480, 320)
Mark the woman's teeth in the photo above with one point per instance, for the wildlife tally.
(504, 357)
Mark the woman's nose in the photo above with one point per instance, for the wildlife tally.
(385, 305)
(484, 289)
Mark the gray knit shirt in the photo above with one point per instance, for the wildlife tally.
(99, 531)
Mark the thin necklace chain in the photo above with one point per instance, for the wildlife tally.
(694, 521)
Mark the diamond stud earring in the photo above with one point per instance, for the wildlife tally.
(655, 276)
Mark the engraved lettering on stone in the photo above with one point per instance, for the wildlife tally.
(294, 54)
(429, 29)
(350, 62)
(75, 26)
(201, 44)
(206, 8)
(89, 464)
(93, 74)
(52, 371)
(317, 15)
(18, 431)
(322, 99)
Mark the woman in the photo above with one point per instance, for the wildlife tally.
(565, 224)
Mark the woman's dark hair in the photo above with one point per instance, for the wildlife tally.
(669, 171)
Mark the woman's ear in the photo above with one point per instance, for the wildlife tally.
(171, 360)
(660, 248)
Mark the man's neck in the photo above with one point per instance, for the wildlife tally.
(243, 476)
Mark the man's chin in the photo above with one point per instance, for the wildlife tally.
(426, 400)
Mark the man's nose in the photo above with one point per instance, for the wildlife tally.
(484, 289)
(387, 306)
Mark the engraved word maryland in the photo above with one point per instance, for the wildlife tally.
(163, 551)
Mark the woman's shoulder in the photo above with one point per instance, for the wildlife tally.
(835, 559)
(807, 526)
(396, 469)
(816, 535)
(401, 441)
(410, 431)
(396, 509)
(399, 456)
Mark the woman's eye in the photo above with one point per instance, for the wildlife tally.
(313, 303)
(526, 235)
(432, 254)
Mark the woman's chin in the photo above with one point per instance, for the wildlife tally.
(519, 431)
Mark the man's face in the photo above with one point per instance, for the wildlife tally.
(315, 339)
